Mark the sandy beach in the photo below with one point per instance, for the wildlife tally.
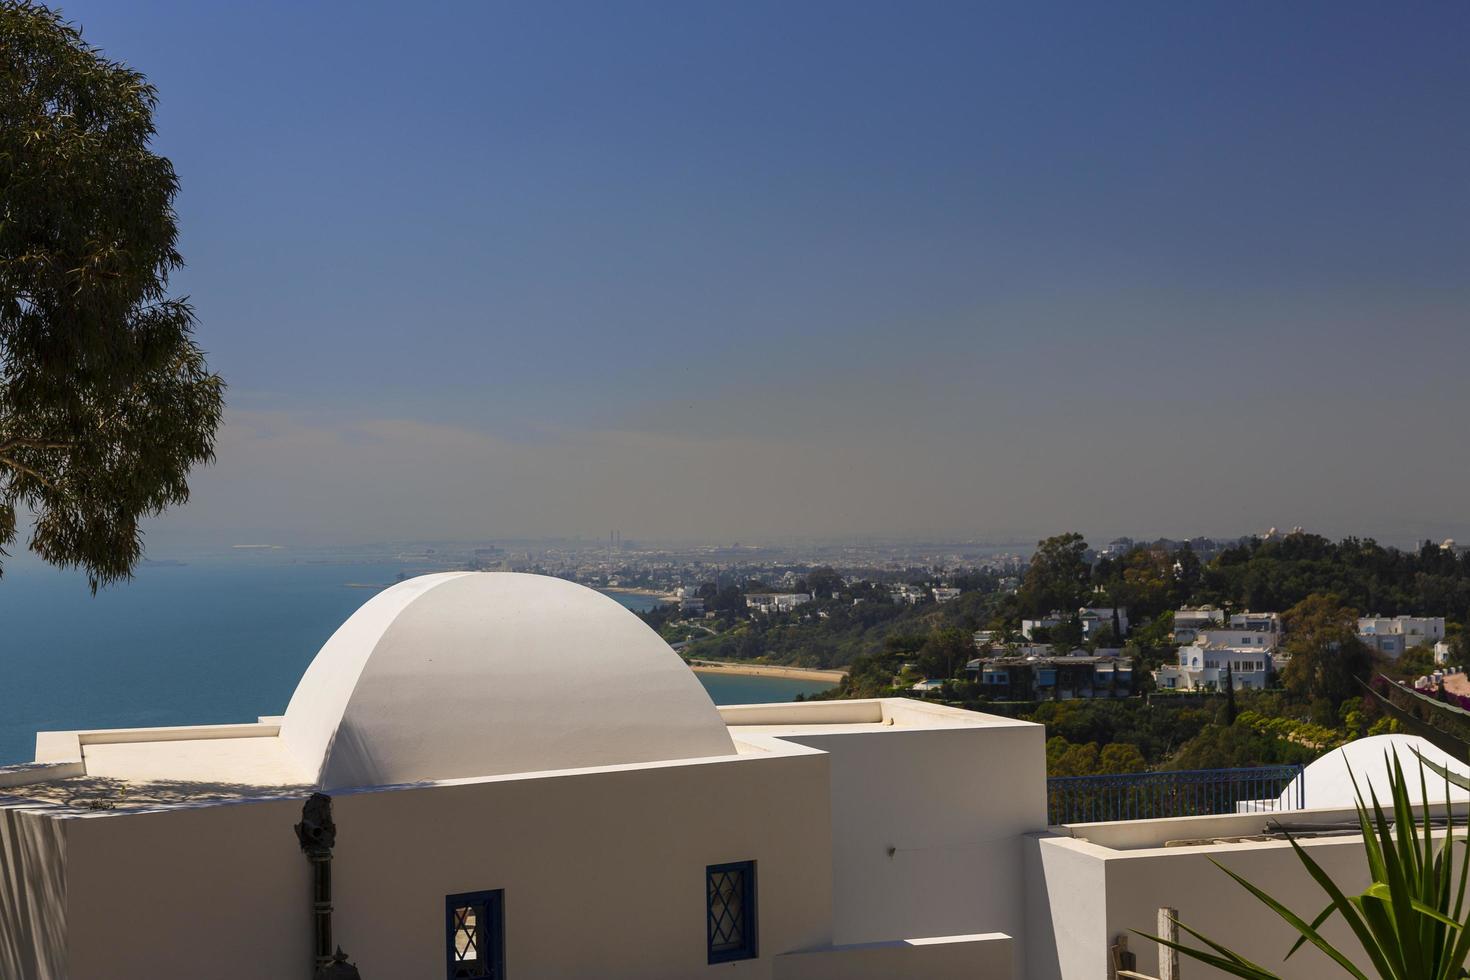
(765, 670)
(634, 590)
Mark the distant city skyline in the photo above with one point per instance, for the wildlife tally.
(756, 271)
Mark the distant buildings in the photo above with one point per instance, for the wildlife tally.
(907, 594)
(1391, 637)
(1097, 619)
(1049, 621)
(1094, 619)
(1188, 621)
(1268, 622)
(1243, 653)
(1243, 650)
(771, 602)
(945, 594)
(1053, 678)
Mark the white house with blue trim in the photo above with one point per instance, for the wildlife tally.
(511, 776)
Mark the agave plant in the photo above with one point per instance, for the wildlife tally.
(1412, 922)
(1445, 726)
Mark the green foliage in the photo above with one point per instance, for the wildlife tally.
(1066, 759)
(1328, 661)
(1415, 662)
(1411, 923)
(1280, 573)
(1313, 736)
(1057, 577)
(1155, 732)
(1143, 581)
(105, 400)
(1237, 746)
(851, 632)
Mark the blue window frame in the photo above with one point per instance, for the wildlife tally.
(731, 913)
(474, 935)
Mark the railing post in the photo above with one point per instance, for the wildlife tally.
(1168, 957)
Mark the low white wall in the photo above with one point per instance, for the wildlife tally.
(927, 827)
(33, 927)
(1082, 896)
(979, 957)
(804, 713)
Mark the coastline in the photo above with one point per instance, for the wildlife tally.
(633, 590)
(766, 670)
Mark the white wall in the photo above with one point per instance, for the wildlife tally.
(927, 828)
(1063, 926)
(222, 890)
(603, 872)
(1082, 896)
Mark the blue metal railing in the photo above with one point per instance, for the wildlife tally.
(1187, 793)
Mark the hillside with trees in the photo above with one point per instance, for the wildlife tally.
(1320, 586)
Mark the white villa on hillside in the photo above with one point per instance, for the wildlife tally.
(1246, 655)
(769, 602)
(1393, 636)
(503, 775)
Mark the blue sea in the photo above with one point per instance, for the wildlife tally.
(204, 642)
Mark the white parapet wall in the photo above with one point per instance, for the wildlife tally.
(1087, 884)
(951, 865)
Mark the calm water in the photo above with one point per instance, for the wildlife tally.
(209, 642)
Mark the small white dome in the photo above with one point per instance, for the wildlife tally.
(1328, 782)
(465, 674)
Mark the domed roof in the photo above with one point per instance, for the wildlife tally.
(465, 674)
(1329, 781)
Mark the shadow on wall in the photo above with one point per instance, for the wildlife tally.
(32, 897)
(93, 793)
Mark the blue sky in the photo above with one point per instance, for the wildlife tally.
(750, 269)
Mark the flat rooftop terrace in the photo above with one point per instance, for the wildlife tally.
(123, 769)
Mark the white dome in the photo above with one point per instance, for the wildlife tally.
(464, 674)
(1328, 782)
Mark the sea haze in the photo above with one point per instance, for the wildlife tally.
(207, 642)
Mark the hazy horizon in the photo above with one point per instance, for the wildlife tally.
(764, 271)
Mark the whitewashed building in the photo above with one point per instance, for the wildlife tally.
(525, 781)
(1246, 655)
(503, 775)
(1391, 636)
(774, 602)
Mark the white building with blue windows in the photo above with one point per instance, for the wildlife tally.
(510, 776)
(1394, 636)
(524, 781)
